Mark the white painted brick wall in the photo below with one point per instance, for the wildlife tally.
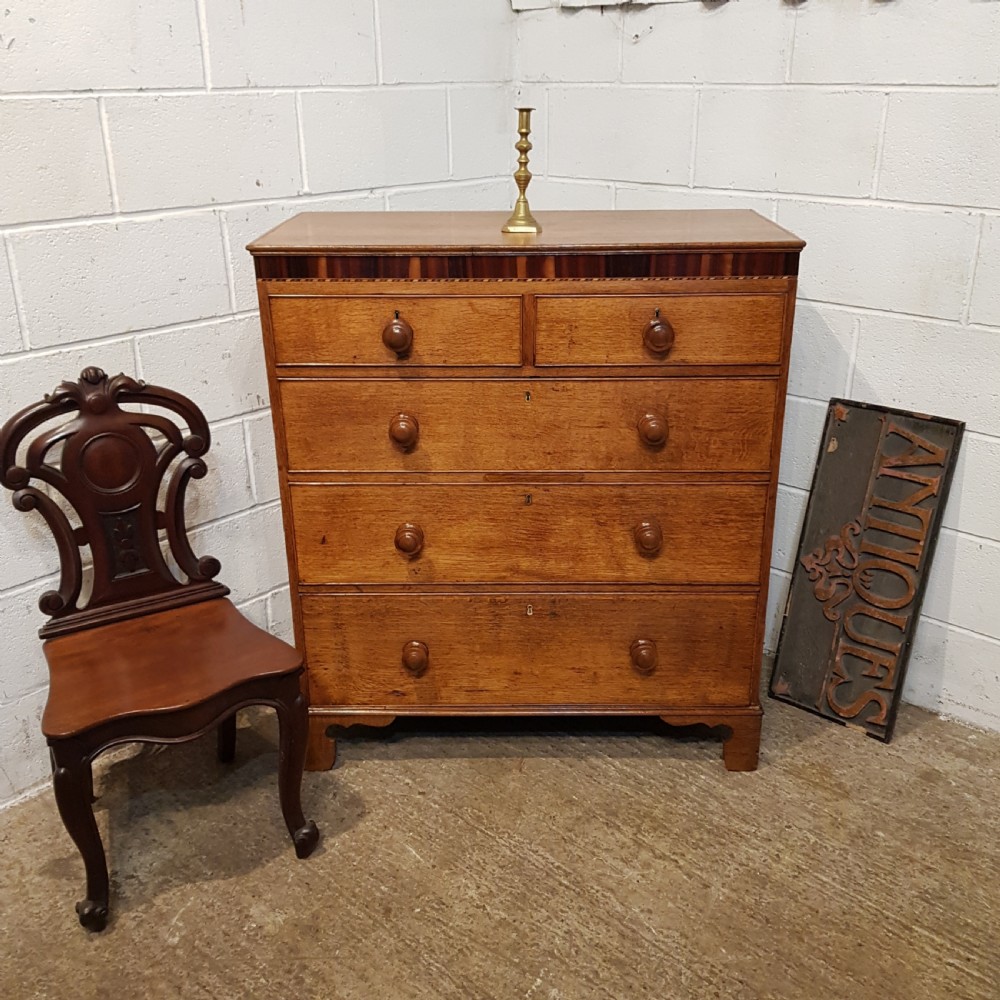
(822, 350)
(460, 197)
(639, 135)
(115, 44)
(985, 306)
(263, 460)
(142, 146)
(897, 42)
(313, 42)
(10, 333)
(222, 147)
(90, 281)
(446, 40)
(904, 362)
(226, 488)
(739, 42)
(687, 198)
(972, 505)
(24, 378)
(906, 260)
(357, 139)
(959, 165)
(812, 141)
(219, 364)
(549, 48)
(485, 113)
(52, 161)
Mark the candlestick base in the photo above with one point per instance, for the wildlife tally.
(521, 220)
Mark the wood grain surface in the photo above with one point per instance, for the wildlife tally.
(524, 534)
(432, 232)
(708, 329)
(474, 330)
(96, 676)
(520, 424)
(530, 649)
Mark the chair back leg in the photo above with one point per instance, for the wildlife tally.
(293, 723)
(72, 780)
(226, 735)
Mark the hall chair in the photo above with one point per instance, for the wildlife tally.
(151, 655)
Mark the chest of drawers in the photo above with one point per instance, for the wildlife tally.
(529, 475)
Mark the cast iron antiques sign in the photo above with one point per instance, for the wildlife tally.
(878, 491)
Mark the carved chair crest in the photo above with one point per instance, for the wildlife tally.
(110, 471)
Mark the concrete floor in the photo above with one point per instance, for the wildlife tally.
(554, 862)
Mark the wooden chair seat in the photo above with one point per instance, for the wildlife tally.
(166, 662)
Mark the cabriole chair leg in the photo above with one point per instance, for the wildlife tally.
(292, 727)
(72, 780)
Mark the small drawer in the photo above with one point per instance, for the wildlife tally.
(540, 425)
(667, 329)
(529, 533)
(404, 331)
(421, 651)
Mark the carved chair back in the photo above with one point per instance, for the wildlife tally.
(109, 470)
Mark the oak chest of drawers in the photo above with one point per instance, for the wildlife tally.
(529, 475)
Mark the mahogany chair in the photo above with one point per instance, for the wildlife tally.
(147, 657)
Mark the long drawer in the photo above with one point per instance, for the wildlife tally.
(441, 330)
(663, 424)
(722, 329)
(532, 649)
(492, 533)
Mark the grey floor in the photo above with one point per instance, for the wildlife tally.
(529, 860)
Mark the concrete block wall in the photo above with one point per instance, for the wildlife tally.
(870, 128)
(142, 145)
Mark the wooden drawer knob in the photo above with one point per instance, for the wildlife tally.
(658, 335)
(643, 653)
(652, 429)
(397, 335)
(409, 539)
(416, 657)
(649, 537)
(404, 431)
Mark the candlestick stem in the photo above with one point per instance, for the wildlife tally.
(521, 219)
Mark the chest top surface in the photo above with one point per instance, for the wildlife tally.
(479, 232)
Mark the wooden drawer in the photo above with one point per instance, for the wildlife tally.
(348, 330)
(529, 650)
(714, 425)
(493, 533)
(705, 329)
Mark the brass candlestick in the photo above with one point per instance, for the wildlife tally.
(521, 219)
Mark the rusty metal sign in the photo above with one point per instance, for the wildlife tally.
(879, 488)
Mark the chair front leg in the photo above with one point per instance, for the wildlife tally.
(293, 724)
(72, 780)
